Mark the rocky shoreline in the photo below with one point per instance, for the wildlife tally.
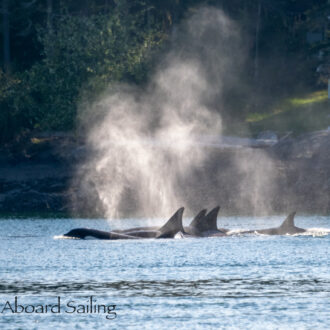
(37, 177)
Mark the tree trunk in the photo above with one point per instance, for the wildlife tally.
(50, 15)
(256, 56)
(6, 35)
(50, 24)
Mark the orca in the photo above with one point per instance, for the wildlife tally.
(172, 226)
(205, 225)
(212, 227)
(82, 233)
(136, 229)
(190, 230)
(287, 227)
(194, 229)
(169, 230)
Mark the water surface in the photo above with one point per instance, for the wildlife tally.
(251, 281)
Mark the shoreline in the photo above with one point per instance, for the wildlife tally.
(37, 178)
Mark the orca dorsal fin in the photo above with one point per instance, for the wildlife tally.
(172, 226)
(289, 221)
(211, 219)
(198, 221)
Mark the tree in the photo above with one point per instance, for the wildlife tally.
(6, 35)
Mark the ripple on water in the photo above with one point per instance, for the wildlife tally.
(247, 281)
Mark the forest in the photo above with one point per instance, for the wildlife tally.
(56, 54)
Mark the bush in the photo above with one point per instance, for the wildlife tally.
(80, 54)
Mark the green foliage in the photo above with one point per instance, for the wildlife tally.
(73, 49)
(86, 53)
(7, 86)
(80, 55)
(304, 113)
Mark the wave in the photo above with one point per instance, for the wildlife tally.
(315, 232)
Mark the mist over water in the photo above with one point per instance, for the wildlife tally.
(257, 187)
(147, 158)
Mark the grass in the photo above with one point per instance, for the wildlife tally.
(310, 112)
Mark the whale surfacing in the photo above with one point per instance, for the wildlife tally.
(82, 233)
(205, 225)
(172, 226)
(196, 225)
(286, 228)
(169, 230)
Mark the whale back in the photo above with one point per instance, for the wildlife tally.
(77, 233)
(172, 226)
(88, 232)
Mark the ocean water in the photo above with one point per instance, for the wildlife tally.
(236, 282)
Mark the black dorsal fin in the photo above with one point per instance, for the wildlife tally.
(198, 221)
(211, 219)
(172, 226)
(289, 221)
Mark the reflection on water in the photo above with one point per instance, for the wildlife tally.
(248, 281)
(225, 288)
